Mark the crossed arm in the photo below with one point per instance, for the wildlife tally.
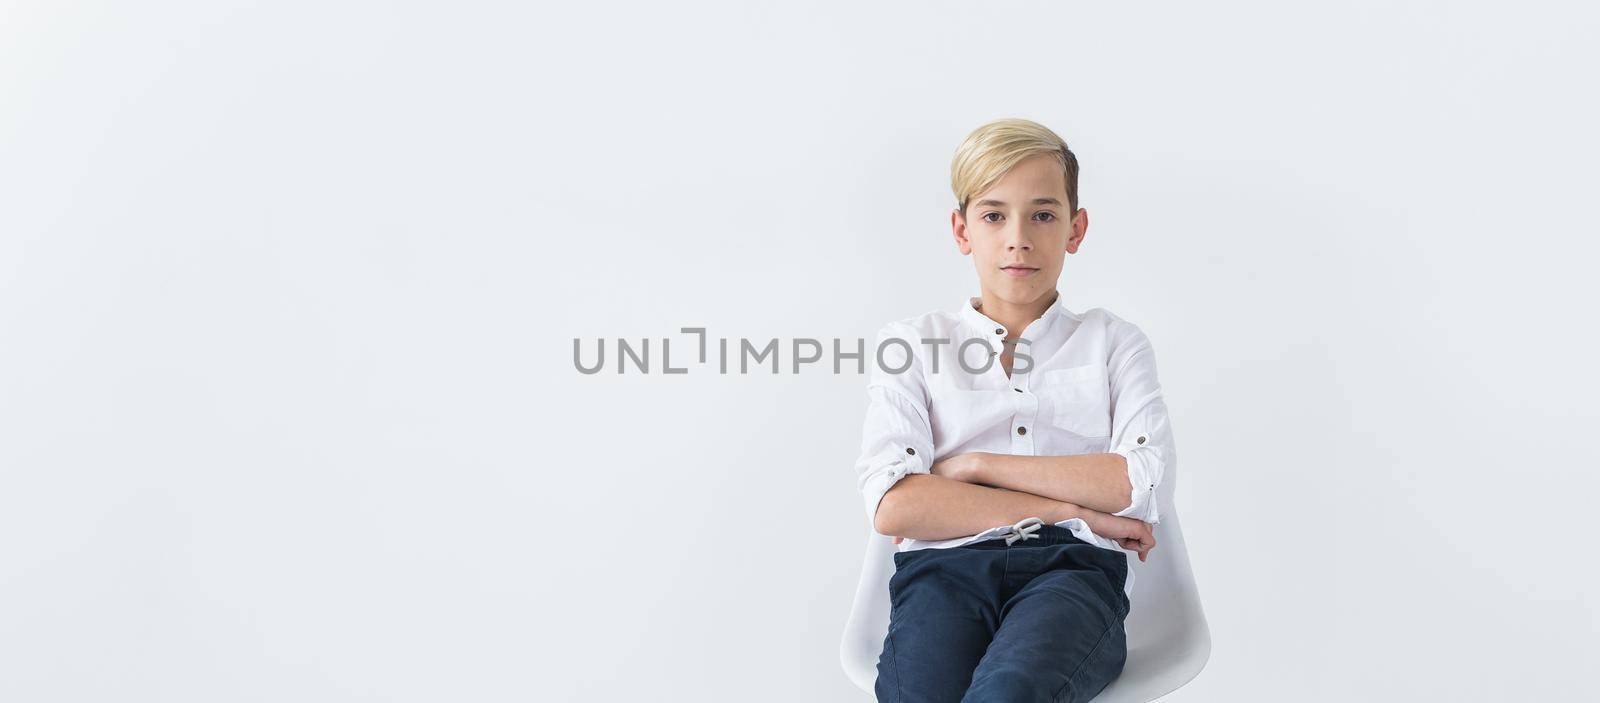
(969, 493)
(1095, 481)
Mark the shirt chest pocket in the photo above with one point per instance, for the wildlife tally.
(1077, 399)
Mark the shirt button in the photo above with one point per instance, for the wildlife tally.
(997, 330)
(1019, 390)
(1022, 430)
(909, 450)
(1141, 439)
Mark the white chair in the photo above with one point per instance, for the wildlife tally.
(1168, 639)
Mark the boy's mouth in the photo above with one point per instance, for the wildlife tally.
(1018, 270)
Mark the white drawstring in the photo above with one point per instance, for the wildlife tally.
(1024, 530)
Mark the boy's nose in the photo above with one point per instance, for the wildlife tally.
(1017, 239)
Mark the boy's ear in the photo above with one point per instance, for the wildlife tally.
(1080, 227)
(958, 227)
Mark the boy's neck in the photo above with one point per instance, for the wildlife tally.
(1015, 318)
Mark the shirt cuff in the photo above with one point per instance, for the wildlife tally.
(1141, 478)
(880, 482)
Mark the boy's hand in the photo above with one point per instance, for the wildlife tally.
(961, 467)
(1132, 534)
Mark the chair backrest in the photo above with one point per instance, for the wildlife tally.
(1168, 638)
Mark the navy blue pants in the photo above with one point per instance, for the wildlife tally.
(1037, 620)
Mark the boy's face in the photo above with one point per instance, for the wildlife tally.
(1019, 232)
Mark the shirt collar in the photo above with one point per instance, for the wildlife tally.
(985, 325)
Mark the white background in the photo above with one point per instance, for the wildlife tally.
(288, 292)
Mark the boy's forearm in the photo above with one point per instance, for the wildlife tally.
(932, 507)
(1095, 481)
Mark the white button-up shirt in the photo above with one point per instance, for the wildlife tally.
(1080, 384)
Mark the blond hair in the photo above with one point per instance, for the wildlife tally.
(992, 149)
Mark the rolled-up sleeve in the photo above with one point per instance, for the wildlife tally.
(896, 437)
(1141, 430)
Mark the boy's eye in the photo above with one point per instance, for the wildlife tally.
(1050, 215)
(987, 214)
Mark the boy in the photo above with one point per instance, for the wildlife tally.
(1013, 447)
